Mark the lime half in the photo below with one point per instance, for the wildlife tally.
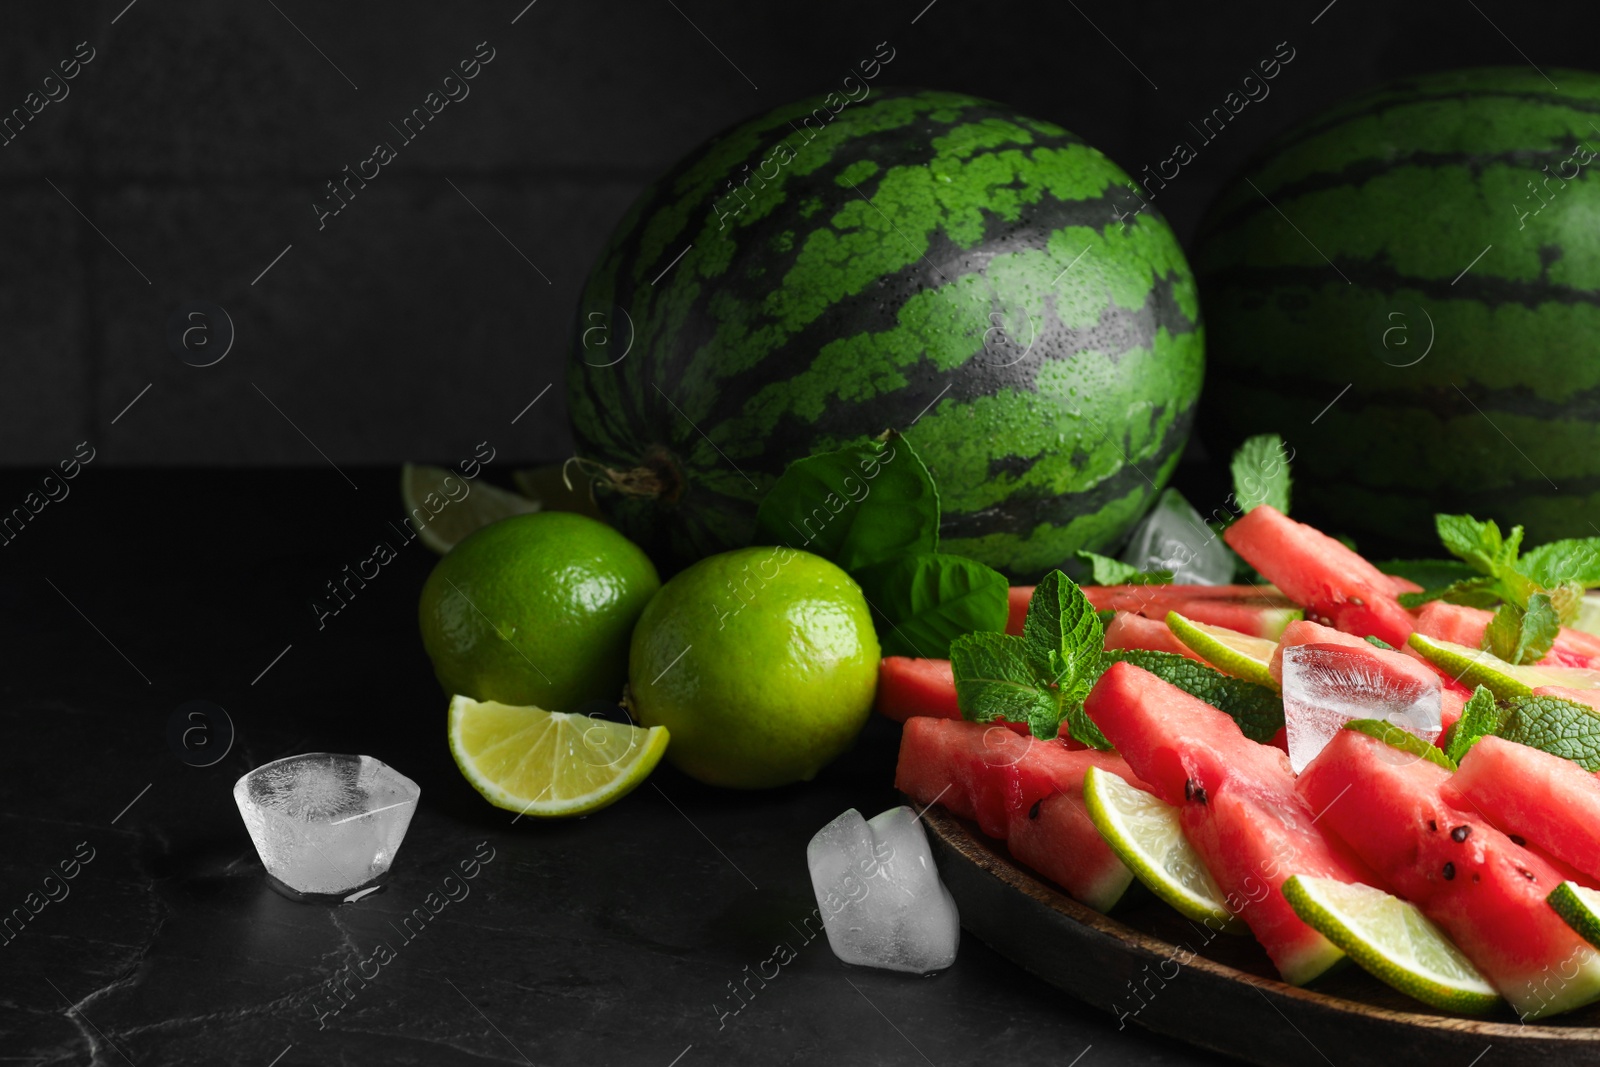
(445, 506)
(1144, 832)
(549, 763)
(1229, 651)
(1392, 941)
(1473, 667)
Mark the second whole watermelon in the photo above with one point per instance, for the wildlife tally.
(1407, 288)
(929, 262)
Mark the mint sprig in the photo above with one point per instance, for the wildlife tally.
(1534, 594)
(873, 509)
(1103, 570)
(1480, 717)
(1042, 677)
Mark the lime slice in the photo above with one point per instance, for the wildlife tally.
(1404, 740)
(1579, 907)
(446, 507)
(1145, 834)
(549, 763)
(548, 486)
(1473, 667)
(1392, 941)
(1229, 651)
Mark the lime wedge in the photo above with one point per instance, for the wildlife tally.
(1404, 740)
(1473, 667)
(1145, 834)
(1392, 941)
(445, 506)
(1579, 907)
(548, 486)
(549, 763)
(1229, 651)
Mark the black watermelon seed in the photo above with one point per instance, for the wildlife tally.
(1449, 872)
(1526, 874)
(1518, 839)
(1193, 790)
(1432, 825)
(1460, 833)
(1033, 812)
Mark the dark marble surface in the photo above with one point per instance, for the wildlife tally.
(610, 939)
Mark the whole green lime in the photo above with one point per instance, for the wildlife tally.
(536, 609)
(761, 662)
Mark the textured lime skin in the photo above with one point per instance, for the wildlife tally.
(1404, 189)
(536, 609)
(762, 662)
(925, 261)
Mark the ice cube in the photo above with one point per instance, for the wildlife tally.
(1325, 686)
(1173, 537)
(324, 823)
(879, 893)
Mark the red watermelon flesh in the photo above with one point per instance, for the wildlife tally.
(1022, 790)
(1333, 583)
(1451, 703)
(1487, 892)
(1257, 611)
(1253, 617)
(1239, 807)
(1126, 630)
(908, 686)
(1017, 608)
(1550, 802)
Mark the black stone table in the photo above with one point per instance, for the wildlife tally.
(620, 938)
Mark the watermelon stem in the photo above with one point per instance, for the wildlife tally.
(658, 477)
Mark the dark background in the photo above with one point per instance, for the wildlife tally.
(196, 141)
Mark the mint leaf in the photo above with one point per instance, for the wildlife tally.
(1559, 562)
(1479, 544)
(1541, 625)
(994, 680)
(1500, 637)
(922, 602)
(1260, 470)
(1562, 727)
(1257, 709)
(1480, 716)
(858, 506)
(1374, 639)
(1523, 635)
(1103, 570)
(1041, 677)
(1063, 634)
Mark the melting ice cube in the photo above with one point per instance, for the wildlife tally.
(1325, 686)
(879, 892)
(1173, 537)
(326, 823)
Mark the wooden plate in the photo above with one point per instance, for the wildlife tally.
(1150, 967)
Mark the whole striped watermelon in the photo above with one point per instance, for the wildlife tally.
(923, 261)
(1426, 260)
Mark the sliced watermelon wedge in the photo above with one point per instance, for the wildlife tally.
(1020, 789)
(1239, 807)
(1549, 802)
(1127, 630)
(909, 687)
(1306, 632)
(1487, 892)
(1257, 611)
(1333, 583)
